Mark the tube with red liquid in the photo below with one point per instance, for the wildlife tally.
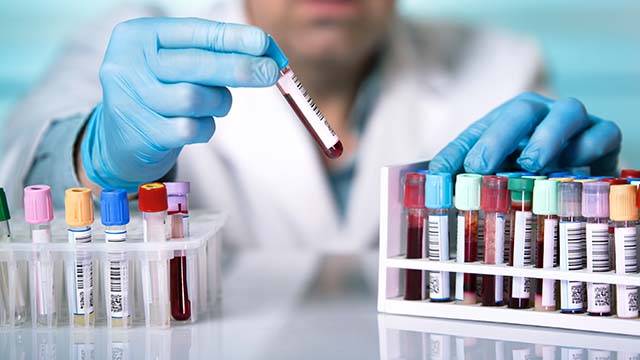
(520, 237)
(302, 104)
(416, 212)
(495, 203)
(545, 207)
(178, 212)
(467, 202)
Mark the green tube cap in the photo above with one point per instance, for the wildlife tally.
(521, 189)
(4, 207)
(545, 197)
(468, 191)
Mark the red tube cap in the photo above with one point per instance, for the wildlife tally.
(615, 181)
(152, 197)
(495, 194)
(630, 173)
(414, 190)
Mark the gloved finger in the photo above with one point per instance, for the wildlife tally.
(535, 97)
(606, 165)
(213, 69)
(188, 100)
(566, 118)
(451, 157)
(176, 132)
(181, 33)
(516, 120)
(602, 138)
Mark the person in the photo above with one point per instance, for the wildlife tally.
(395, 91)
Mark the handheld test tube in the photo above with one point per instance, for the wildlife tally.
(79, 216)
(152, 202)
(520, 251)
(303, 106)
(415, 218)
(38, 213)
(114, 214)
(12, 308)
(495, 203)
(545, 207)
(467, 201)
(178, 212)
(438, 194)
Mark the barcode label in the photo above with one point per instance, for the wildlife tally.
(507, 236)
(572, 254)
(460, 249)
(119, 286)
(521, 286)
(626, 263)
(599, 295)
(549, 260)
(84, 284)
(438, 251)
(481, 238)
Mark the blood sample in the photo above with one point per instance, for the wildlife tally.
(595, 209)
(545, 207)
(507, 229)
(414, 205)
(495, 202)
(520, 239)
(302, 104)
(438, 194)
(178, 212)
(467, 201)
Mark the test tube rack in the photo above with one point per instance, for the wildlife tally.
(393, 263)
(201, 248)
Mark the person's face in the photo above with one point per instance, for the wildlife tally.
(340, 31)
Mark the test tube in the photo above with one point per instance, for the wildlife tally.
(303, 106)
(624, 214)
(438, 194)
(572, 245)
(12, 296)
(467, 201)
(521, 232)
(545, 207)
(595, 209)
(79, 216)
(494, 201)
(415, 219)
(152, 202)
(178, 202)
(38, 213)
(114, 213)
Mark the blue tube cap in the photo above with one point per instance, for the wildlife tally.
(438, 191)
(114, 207)
(274, 52)
(510, 175)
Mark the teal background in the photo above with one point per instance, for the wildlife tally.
(592, 48)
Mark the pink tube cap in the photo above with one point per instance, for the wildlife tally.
(38, 206)
(177, 196)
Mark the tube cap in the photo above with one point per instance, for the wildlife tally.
(38, 205)
(545, 197)
(521, 189)
(595, 200)
(114, 207)
(631, 180)
(510, 175)
(570, 199)
(414, 190)
(178, 199)
(468, 192)
(152, 197)
(558, 174)
(630, 173)
(562, 179)
(615, 181)
(534, 177)
(78, 207)
(4, 207)
(438, 191)
(623, 203)
(495, 195)
(274, 52)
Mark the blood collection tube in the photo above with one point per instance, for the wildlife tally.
(521, 232)
(302, 104)
(415, 215)
(630, 173)
(507, 230)
(114, 213)
(178, 213)
(467, 202)
(545, 207)
(38, 213)
(612, 253)
(572, 245)
(495, 203)
(79, 216)
(12, 308)
(152, 202)
(438, 199)
(595, 209)
(624, 214)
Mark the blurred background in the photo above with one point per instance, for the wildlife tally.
(592, 48)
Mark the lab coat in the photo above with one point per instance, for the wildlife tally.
(262, 168)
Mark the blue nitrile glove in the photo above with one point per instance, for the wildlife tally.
(545, 134)
(163, 79)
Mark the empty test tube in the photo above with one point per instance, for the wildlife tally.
(495, 203)
(415, 219)
(12, 295)
(438, 199)
(467, 202)
(545, 207)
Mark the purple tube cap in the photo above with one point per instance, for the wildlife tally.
(38, 206)
(177, 196)
(595, 200)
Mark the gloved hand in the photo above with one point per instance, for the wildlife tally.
(163, 79)
(543, 134)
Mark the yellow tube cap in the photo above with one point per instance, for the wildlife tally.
(78, 207)
(622, 203)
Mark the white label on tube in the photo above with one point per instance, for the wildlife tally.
(572, 255)
(626, 263)
(499, 244)
(548, 260)
(41, 236)
(460, 235)
(438, 251)
(118, 291)
(521, 286)
(599, 295)
(83, 273)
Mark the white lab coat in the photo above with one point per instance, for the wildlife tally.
(263, 168)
